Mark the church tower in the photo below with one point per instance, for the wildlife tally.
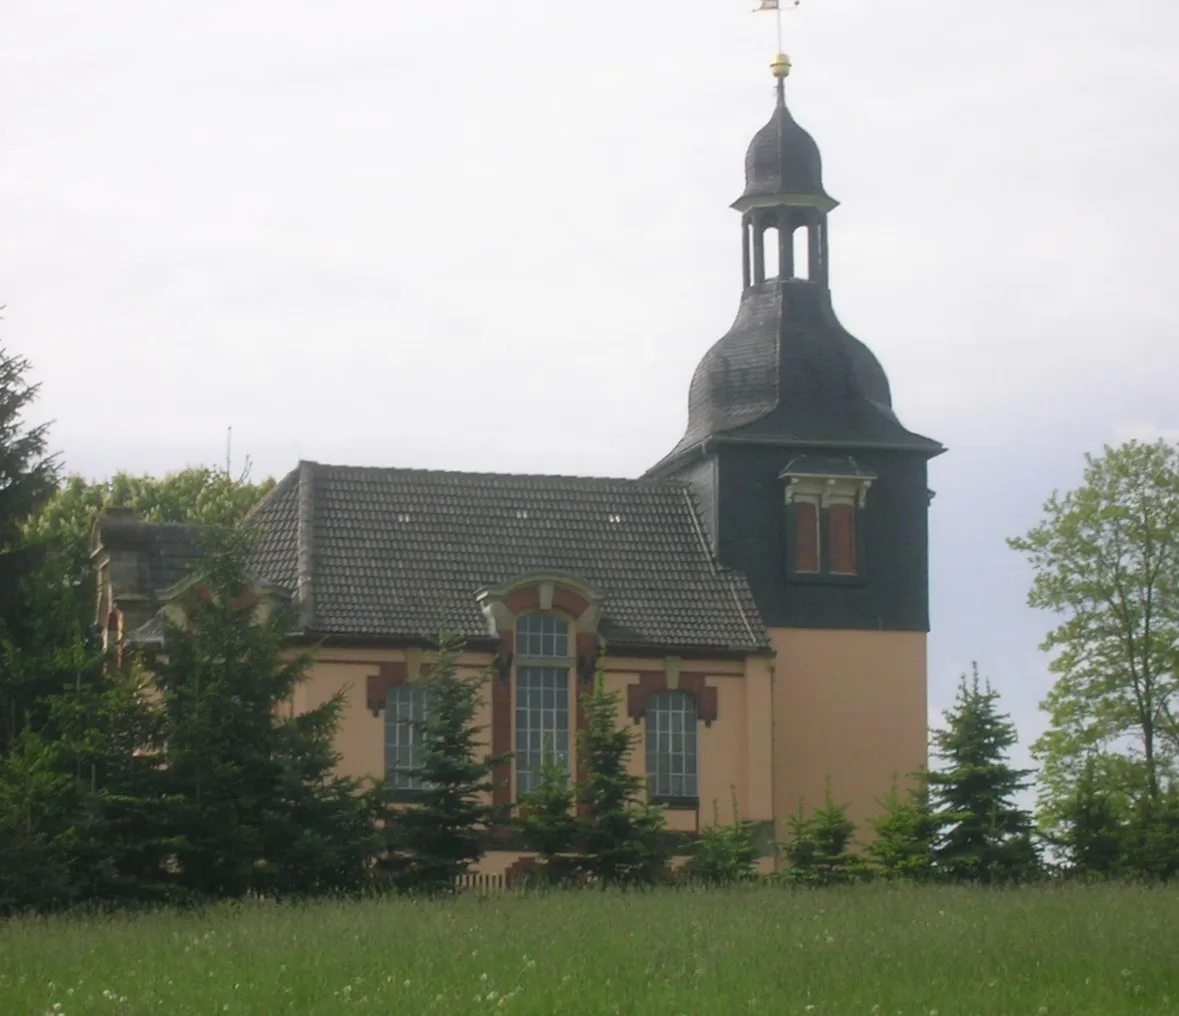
(810, 485)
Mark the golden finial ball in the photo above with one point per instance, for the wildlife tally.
(781, 66)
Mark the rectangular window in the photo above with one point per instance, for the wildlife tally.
(542, 722)
(671, 745)
(806, 536)
(841, 522)
(405, 709)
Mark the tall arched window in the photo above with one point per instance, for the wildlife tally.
(671, 745)
(543, 662)
(405, 710)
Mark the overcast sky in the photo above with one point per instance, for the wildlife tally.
(496, 236)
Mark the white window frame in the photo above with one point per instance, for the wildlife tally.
(672, 714)
(405, 709)
(543, 705)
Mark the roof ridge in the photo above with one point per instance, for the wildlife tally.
(485, 474)
(304, 551)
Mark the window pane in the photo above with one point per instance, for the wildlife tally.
(405, 711)
(806, 536)
(841, 519)
(671, 744)
(542, 634)
(542, 720)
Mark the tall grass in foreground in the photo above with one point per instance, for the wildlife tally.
(874, 949)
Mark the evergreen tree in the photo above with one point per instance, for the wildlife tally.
(905, 831)
(724, 853)
(1092, 828)
(28, 476)
(35, 848)
(252, 803)
(818, 848)
(547, 824)
(1151, 844)
(983, 835)
(621, 833)
(435, 840)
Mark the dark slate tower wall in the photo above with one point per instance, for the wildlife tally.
(751, 531)
(701, 477)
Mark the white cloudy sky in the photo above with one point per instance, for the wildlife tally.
(496, 236)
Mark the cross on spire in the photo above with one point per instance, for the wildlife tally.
(781, 64)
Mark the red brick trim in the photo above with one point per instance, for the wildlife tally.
(387, 676)
(527, 598)
(573, 604)
(651, 682)
(501, 719)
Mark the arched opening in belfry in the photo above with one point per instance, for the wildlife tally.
(802, 252)
(770, 242)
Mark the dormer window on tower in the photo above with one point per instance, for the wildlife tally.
(825, 503)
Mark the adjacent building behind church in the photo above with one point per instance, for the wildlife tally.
(762, 591)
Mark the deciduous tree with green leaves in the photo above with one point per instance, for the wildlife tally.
(198, 495)
(983, 836)
(1105, 559)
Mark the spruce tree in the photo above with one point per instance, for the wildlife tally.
(28, 478)
(621, 833)
(1091, 826)
(252, 801)
(436, 839)
(1151, 840)
(905, 830)
(818, 847)
(983, 836)
(28, 475)
(547, 824)
(724, 853)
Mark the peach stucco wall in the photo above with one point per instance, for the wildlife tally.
(361, 736)
(849, 706)
(735, 752)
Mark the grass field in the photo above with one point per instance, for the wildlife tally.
(1086, 950)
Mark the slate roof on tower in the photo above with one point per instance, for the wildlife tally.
(402, 552)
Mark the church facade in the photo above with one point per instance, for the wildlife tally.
(762, 591)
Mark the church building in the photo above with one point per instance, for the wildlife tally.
(762, 590)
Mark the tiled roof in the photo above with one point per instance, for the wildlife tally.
(402, 553)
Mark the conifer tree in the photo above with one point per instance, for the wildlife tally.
(547, 824)
(252, 801)
(905, 831)
(725, 853)
(621, 832)
(28, 476)
(435, 840)
(817, 847)
(1091, 825)
(1151, 838)
(983, 836)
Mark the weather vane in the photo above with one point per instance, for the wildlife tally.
(781, 65)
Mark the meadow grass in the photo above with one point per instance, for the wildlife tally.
(875, 949)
